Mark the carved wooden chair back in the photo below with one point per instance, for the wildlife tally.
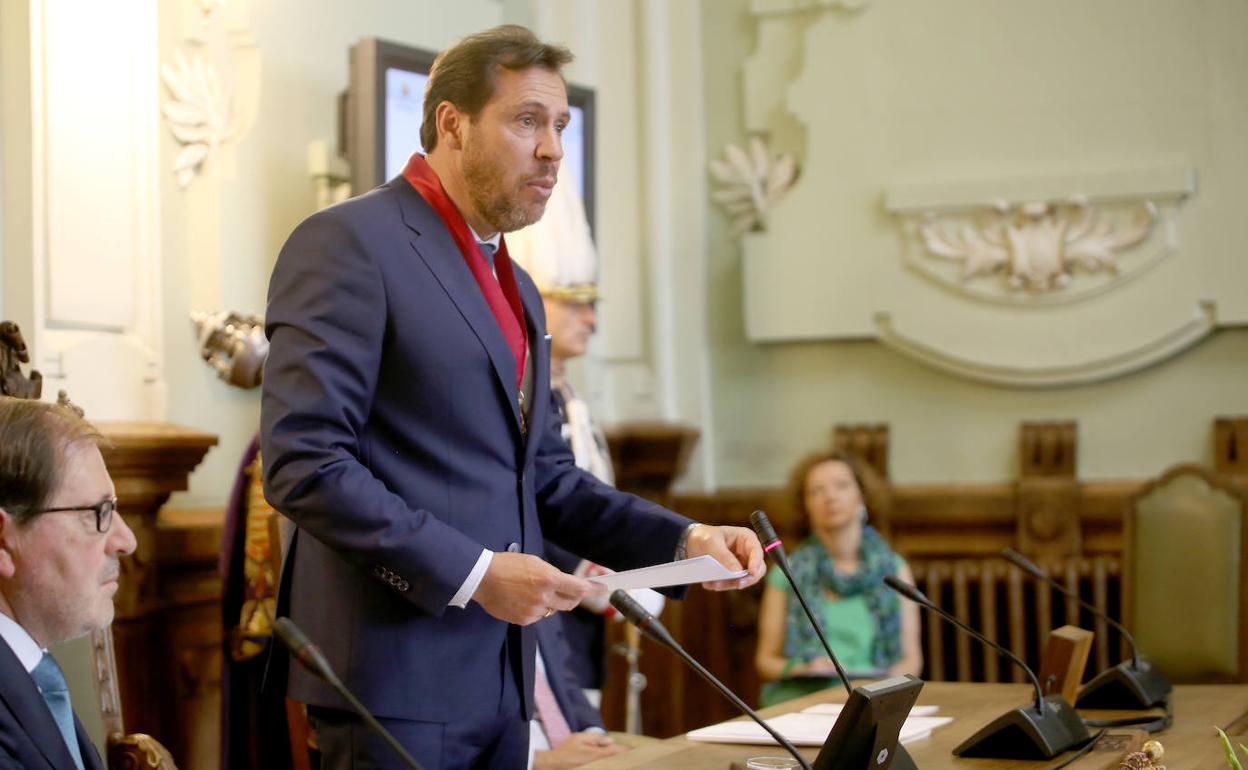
(123, 751)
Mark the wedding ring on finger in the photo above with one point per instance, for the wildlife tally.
(549, 611)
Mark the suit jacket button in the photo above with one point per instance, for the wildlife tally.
(513, 548)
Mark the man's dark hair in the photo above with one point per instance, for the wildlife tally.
(34, 437)
(466, 73)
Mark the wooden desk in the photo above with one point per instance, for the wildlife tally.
(1190, 743)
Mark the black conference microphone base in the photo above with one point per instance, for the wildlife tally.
(902, 759)
(1125, 687)
(1024, 733)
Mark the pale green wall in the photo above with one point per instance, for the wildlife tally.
(775, 402)
(14, 161)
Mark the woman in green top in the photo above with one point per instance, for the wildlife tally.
(840, 568)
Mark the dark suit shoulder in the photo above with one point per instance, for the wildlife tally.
(379, 203)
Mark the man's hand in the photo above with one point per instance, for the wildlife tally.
(522, 589)
(731, 547)
(579, 749)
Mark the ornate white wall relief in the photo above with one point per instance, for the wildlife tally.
(1041, 250)
(1036, 246)
(750, 184)
(213, 85)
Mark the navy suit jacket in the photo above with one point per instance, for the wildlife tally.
(29, 737)
(391, 436)
(585, 631)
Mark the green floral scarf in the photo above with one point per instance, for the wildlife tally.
(813, 571)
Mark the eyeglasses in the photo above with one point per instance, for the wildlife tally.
(103, 511)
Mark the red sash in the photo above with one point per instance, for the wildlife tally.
(503, 296)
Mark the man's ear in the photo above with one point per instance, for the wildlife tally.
(450, 122)
(7, 565)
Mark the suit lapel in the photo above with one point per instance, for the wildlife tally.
(433, 243)
(28, 707)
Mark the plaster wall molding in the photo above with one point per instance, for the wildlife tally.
(751, 183)
(761, 8)
(1023, 243)
(778, 59)
(213, 85)
(1202, 322)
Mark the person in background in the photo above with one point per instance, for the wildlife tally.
(558, 253)
(61, 539)
(840, 567)
(567, 730)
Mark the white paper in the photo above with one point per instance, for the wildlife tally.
(677, 573)
(835, 709)
(802, 729)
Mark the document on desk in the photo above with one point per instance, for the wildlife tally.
(835, 709)
(804, 728)
(676, 573)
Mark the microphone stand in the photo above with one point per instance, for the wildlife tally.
(772, 545)
(632, 610)
(310, 656)
(1134, 684)
(1039, 730)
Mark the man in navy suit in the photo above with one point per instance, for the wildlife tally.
(407, 430)
(60, 542)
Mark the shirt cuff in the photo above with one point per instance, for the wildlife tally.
(473, 581)
(681, 550)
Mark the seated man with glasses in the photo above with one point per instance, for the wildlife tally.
(60, 544)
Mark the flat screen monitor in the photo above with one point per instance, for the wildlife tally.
(384, 111)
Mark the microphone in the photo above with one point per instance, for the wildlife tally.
(1047, 728)
(773, 546)
(310, 656)
(632, 611)
(915, 595)
(1129, 685)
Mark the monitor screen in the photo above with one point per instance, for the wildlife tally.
(403, 116)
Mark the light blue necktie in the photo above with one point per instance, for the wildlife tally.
(55, 690)
(487, 251)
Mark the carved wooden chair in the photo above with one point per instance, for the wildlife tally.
(124, 751)
(1185, 594)
(91, 668)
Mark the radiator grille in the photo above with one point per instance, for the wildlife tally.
(1015, 611)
